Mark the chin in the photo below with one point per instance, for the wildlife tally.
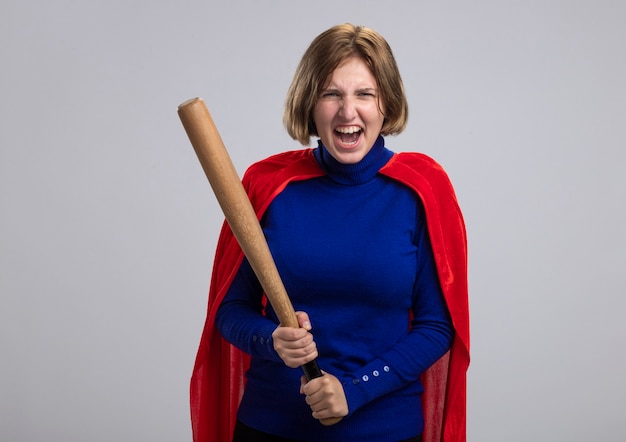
(349, 157)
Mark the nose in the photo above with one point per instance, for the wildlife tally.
(348, 108)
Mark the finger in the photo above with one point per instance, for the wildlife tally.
(290, 334)
(303, 346)
(312, 386)
(303, 320)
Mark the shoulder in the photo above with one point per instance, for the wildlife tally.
(280, 162)
(266, 178)
(418, 161)
(415, 167)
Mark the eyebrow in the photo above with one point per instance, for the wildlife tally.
(357, 90)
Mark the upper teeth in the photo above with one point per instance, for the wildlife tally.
(348, 130)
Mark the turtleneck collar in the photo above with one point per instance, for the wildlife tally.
(358, 173)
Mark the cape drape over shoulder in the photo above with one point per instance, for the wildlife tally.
(218, 377)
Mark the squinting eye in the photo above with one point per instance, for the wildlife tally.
(330, 94)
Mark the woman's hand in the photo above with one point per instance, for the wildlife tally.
(325, 396)
(295, 346)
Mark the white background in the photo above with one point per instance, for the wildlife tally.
(108, 226)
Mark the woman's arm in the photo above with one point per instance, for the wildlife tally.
(429, 337)
(240, 318)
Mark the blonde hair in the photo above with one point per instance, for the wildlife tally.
(327, 51)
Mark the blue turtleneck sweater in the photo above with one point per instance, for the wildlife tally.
(353, 251)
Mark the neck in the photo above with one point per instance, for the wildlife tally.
(357, 173)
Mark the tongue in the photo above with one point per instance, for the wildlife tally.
(349, 138)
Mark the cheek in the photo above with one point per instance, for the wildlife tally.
(380, 114)
(322, 116)
(380, 110)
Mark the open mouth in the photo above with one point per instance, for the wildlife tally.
(348, 135)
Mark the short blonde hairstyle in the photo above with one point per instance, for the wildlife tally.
(327, 51)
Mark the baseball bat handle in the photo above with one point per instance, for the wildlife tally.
(312, 370)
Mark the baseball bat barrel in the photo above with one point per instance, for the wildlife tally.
(239, 214)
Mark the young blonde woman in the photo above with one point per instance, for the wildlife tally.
(371, 248)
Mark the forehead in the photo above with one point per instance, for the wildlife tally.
(352, 72)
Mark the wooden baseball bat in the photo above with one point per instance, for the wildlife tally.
(240, 215)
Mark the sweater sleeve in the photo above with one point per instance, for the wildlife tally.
(240, 319)
(428, 338)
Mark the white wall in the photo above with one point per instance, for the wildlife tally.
(108, 226)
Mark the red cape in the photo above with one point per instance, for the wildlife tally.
(218, 377)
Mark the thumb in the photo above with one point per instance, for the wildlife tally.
(303, 382)
(303, 320)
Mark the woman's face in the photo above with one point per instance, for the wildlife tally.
(348, 114)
